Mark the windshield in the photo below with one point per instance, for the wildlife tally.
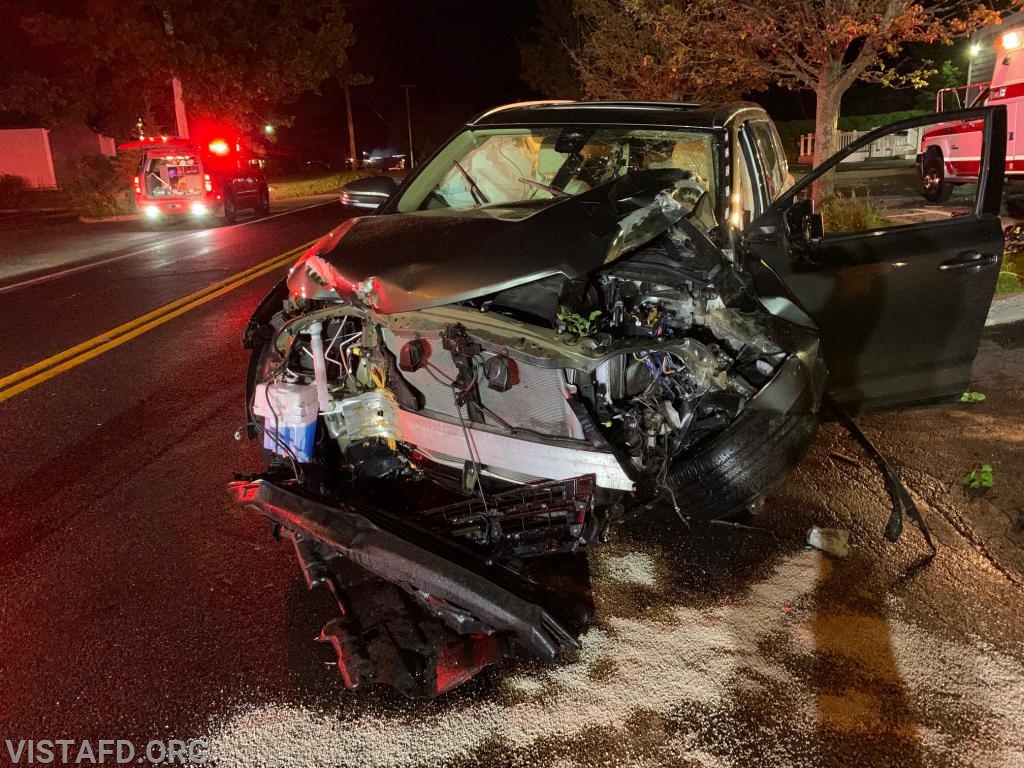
(537, 166)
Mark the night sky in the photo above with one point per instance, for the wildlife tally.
(460, 55)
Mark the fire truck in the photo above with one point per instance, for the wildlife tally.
(950, 152)
(200, 180)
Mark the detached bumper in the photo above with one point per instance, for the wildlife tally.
(454, 589)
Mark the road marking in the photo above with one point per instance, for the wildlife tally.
(155, 246)
(19, 381)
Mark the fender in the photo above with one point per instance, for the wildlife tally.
(261, 317)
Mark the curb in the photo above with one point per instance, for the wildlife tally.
(118, 217)
(15, 211)
(1006, 310)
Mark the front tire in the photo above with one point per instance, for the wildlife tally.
(735, 469)
(263, 206)
(934, 186)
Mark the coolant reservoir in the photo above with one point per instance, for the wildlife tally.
(289, 414)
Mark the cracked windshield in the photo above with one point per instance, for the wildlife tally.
(538, 166)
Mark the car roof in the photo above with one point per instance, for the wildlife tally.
(654, 113)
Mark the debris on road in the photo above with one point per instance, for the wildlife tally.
(834, 541)
(972, 397)
(980, 479)
(634, 568)
(845, 458)
(681, 688)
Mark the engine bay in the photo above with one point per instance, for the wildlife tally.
(629, 369)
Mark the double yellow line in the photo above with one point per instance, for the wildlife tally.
(26, 378)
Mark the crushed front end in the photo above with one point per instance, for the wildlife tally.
(434, 445)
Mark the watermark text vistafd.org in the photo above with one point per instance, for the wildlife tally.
(104, 752)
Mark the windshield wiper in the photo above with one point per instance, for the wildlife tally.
(474, 188)
(546, 187)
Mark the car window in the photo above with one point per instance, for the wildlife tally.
(902, 178)
(172, 175)
(773, 159)
(749, 198)
(497, 166)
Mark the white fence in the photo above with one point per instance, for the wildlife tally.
(902, 144)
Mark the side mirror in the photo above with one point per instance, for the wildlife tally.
(805, 227)
(368, 194)
(813, 228)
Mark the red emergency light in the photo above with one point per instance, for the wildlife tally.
(219, 147)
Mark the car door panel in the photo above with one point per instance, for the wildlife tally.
(896, 326)
(900, 309)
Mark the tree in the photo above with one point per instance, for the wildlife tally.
(712, 49)
(110, 62)
(626, 55)
(550, 50)
(947, 75)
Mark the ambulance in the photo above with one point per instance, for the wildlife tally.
(951, 152)
(181, 178)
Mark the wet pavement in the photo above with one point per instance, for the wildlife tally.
(138, 604)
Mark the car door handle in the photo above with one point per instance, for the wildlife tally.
(967, 260)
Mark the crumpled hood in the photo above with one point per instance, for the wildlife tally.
(407, 261)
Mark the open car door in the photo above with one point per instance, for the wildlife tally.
(899, 287)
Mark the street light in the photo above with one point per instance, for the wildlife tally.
(972, 53)
(268, 129)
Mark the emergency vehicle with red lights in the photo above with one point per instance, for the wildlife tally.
(951, 152)
(201, 180)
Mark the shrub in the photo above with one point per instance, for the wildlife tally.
(98, 185)
(852, 214)
(11, 186)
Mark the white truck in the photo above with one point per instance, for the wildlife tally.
(951, 152)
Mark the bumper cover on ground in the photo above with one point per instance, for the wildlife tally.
(351, 533)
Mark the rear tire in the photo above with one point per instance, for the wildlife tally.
(734, 469)
(934, 186)
(230, 212)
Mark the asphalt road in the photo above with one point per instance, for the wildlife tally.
(137, 604)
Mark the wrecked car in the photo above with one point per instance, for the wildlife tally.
(574, 314)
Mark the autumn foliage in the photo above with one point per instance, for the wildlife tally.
(711, 50)
(109, 63)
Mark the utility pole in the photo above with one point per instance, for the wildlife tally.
(179, 109)
(408, 122)
(180, 118)
(351, 128)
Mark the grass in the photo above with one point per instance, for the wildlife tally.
(322, 183)
(35, 199)
(1011, 274)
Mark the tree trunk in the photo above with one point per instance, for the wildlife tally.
(828, 95)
